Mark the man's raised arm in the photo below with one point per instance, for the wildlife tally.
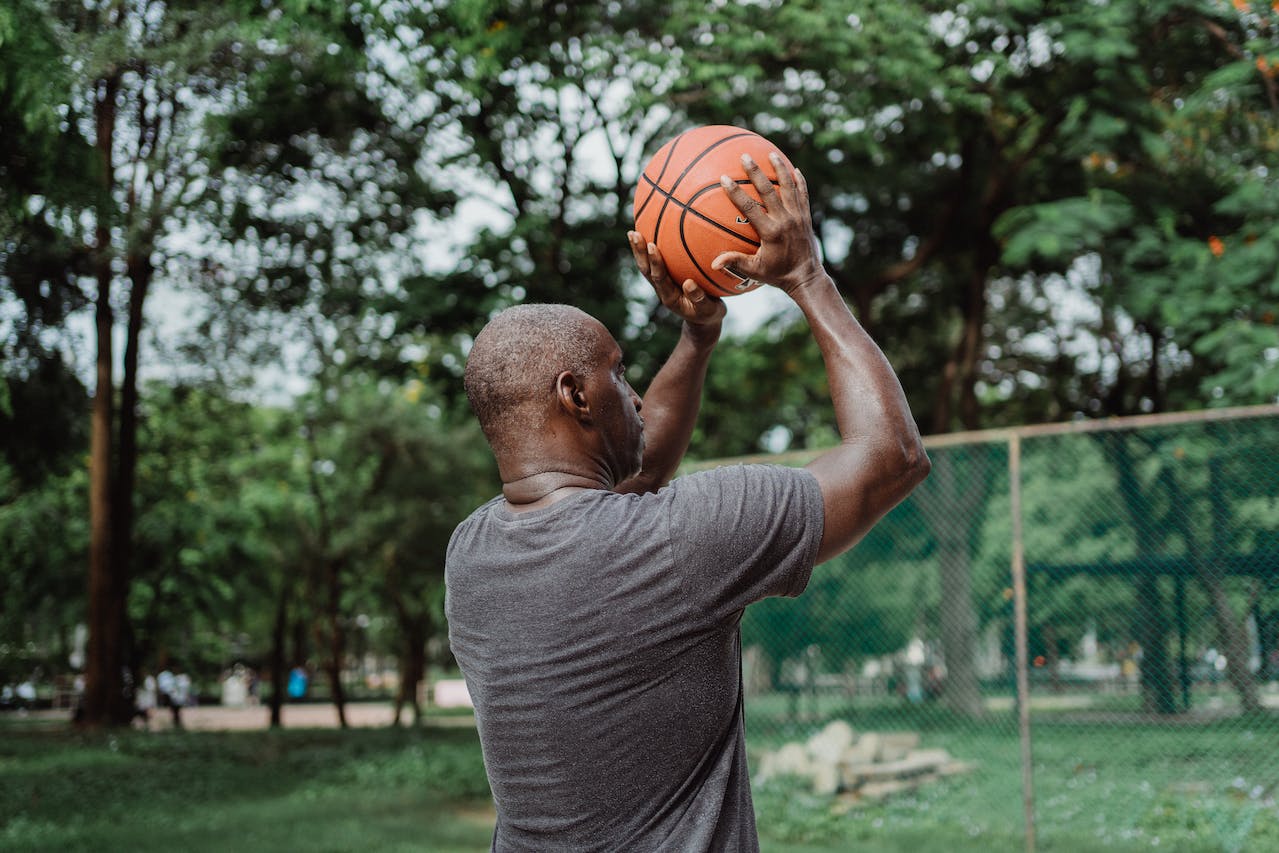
(881, 457)
(674, 397)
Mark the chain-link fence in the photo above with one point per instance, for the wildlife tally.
(1069, 635)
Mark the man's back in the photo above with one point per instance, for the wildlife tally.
(599, 640)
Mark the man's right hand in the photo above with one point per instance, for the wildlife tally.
(788, 256)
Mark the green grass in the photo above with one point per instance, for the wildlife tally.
(1099, 787)
(315, 790)
(1208, 787)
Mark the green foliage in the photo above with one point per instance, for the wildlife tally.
(41, 582)
(202, 549)
(1060, 230)
(397, 469)
(1041, 210)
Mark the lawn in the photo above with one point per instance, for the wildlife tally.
(1193, 788)
(314, 789)
(1112, 786)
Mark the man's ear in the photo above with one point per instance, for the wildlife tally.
(571, 395)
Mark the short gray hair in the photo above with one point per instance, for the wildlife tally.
(511, 370)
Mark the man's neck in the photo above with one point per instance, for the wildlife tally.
(536, 491)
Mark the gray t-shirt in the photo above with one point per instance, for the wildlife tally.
(599, 640)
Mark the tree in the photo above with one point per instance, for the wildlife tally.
(545, 112)
(433, 470)
(145, 79)
(995, 135)
(200, 558)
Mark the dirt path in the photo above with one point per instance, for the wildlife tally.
(247, 718)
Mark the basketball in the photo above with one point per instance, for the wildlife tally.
(680, 205)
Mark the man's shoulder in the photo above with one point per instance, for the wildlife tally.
(739, 475)
(475, 518)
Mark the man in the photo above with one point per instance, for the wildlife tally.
(593, 608)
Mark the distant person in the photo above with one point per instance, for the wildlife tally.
(174, 691)
(145, 699)
(297, 683)
(26, 693)
(594, 605)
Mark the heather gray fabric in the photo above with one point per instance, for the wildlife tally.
(599, 640)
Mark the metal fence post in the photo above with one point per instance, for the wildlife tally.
(1021, 635)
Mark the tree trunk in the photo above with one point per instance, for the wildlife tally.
(337, 636)
(412, 668)
(962, 689)
(122, 486)
(1151, 632)
(1233, 639)
(279, 666)
(1231, 632)
(331, 584)
(953, 500)
(1150, 621)
(104, 699)
(1053, 654)
(140, 273)
(957, 389)
(974, 336)
(958, 503)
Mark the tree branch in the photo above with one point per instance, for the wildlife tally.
(1219, 33)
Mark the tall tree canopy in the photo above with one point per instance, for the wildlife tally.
(1041, 210)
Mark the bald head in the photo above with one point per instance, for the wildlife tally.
(511, 371)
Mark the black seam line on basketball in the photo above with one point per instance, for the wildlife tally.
(657, 226)
(703, 216)
(660, 175)
(689, 252)
(670, 155)
(685, 205)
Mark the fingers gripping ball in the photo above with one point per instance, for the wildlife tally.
(680, 205)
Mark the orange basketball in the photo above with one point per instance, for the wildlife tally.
(680, 205)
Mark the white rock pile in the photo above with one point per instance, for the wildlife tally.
(870, 765)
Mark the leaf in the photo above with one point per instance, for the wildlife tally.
(1059, 231)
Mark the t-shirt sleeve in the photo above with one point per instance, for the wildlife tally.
(743, 533)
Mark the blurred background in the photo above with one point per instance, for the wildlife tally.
(245, 245)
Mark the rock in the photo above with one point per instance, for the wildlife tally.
(826, 779)
(879, 790)
(934, 757)
(919, 763)
(851, 776)
(870, 767)
(789, 760)
(864, 751)
(828, 745)
(896, 745)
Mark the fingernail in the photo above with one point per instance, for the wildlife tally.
(726, 182)
(652, 248)
(775, 157)
(747, 161)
